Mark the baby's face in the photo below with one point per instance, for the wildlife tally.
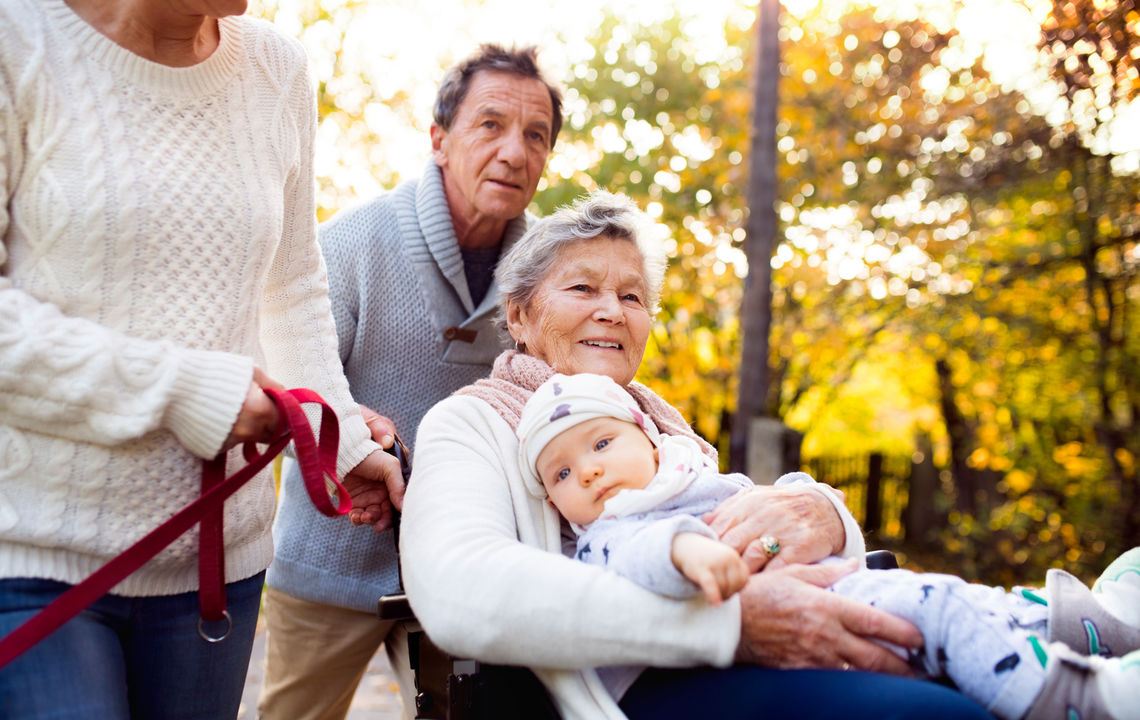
(591, 462)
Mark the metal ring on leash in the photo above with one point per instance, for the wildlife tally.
(218, 638)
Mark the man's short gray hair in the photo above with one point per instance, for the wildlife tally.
(528, 262)
(491, 57)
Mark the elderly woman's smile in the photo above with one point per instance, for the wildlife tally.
(589, 314)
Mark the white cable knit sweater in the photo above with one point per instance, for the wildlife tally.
(157, 238)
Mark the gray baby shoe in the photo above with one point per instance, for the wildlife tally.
(1087, 688)
(1080, 619)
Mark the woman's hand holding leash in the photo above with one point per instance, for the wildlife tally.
(257, 421)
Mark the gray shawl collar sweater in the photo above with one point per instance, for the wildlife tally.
(409, 335)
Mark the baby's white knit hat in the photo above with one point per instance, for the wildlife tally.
(564, 401)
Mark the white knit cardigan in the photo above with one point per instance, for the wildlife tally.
(157, 238)
(485, 572)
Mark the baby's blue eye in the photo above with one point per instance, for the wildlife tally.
(563, 474)
(601, 444)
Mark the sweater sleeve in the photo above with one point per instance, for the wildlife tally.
(641, 549)
(481, 592)
(71, 377)
(298, 331)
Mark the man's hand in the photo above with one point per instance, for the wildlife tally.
(257, 421)
(376, 485)
(713, 566)
(806, 524)
(383, 430)
(789, 621)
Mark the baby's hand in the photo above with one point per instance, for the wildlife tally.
(715, 567)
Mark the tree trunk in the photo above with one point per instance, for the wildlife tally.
(920, 518)
(1107, 323)
(958, 431)
(756, 306)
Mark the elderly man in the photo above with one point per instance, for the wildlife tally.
(411, 283)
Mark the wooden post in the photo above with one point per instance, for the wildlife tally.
(873, 520)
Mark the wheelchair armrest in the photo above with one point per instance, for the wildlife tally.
(881, 560)
(395, 607)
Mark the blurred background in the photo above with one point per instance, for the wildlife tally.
(955, 292)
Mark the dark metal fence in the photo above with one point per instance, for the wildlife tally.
(875, 485)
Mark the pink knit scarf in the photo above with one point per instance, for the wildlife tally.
(516, 376)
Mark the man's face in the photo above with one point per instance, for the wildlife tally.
(495, 152)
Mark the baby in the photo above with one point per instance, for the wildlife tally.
(635, 497)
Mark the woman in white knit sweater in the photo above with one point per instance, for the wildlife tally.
(483, 559)
(157, 246)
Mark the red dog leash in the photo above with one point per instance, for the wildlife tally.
(317, 462)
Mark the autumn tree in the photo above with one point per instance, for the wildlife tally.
(1054, 263)
(929, 229)
(954, 258)
(759, 236)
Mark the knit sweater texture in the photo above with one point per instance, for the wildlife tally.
(397, 285)
(158, 239)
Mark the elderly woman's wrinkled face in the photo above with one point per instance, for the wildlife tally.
(589, 313)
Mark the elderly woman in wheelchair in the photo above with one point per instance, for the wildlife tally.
(483, 560)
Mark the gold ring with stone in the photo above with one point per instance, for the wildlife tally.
(770, 545)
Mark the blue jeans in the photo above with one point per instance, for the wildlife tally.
(755, 693)
(128, 657)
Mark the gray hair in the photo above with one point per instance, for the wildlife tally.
(492, 58)
(527, 263)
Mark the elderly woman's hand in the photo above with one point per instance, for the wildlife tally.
(789, 621)
(806, 524)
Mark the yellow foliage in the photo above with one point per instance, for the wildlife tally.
(1019, 481)
(704, 345)
(985, 388)
(1069, 456)
(979, 458)
(1127, 461)
(1000, 463)
(1064, 453)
